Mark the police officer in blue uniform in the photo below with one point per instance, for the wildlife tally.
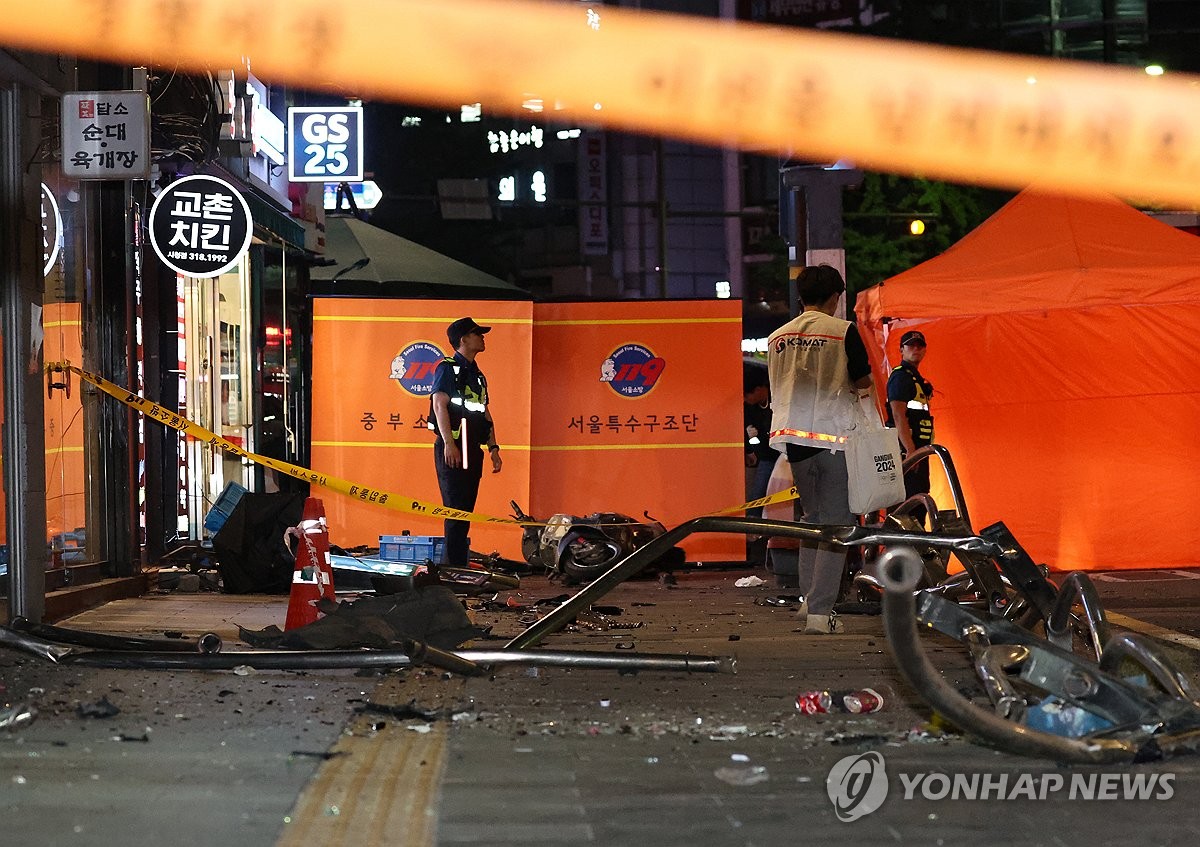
(460, 418)
(908, 395)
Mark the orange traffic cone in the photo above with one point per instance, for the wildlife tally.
(313, 577)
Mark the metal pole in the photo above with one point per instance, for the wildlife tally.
(900, 569)
(602, 661)
(24, 467)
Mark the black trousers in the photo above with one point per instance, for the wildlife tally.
(460, 488)
(916, 481)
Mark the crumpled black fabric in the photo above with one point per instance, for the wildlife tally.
(251, 554)
(431, 614)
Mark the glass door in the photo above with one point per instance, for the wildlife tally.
(215, 367)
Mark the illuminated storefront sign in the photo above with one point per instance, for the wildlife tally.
(106, 135)
(325, 144)
(200, 226)
(52, 230)
(512, 140)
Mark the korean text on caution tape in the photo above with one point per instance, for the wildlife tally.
(963, 115)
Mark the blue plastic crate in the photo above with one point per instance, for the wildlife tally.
(411, 548)
(223, 508)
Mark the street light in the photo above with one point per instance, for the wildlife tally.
(916, 227)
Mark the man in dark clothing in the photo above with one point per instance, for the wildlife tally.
(908, 395)
(756, 416)
(462, 421)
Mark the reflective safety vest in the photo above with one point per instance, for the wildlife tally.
(920, 421)
(468, 402)
(813, 402)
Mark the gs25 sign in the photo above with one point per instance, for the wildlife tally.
(325, 144)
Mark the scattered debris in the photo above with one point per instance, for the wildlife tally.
(102, 708)
(144, 738)
(608, 610)
(324, 755)
(861, 701)
(750, 582)
(403, 711)
(13, 717)
(857, 738)
(742, 775)
(599, 622)
(432, 614)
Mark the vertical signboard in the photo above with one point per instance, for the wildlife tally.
(593, 191)
(106, 135)
(373, 364)
(325, 144)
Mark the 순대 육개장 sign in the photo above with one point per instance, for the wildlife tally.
(106, 135)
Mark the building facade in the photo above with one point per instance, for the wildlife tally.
(92, 490)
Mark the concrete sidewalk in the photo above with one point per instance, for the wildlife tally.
(541, 756)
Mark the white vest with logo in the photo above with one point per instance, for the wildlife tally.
(812, 400)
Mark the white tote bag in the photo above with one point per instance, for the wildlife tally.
(873, 462)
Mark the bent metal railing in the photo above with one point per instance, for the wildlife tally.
(995, 608)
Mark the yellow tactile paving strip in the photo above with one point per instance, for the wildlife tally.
(380, 788)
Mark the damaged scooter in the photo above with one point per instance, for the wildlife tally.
(580, 548)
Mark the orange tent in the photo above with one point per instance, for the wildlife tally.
(1062, 352)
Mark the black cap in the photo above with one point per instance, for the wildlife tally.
(461, 327)
(912, 337)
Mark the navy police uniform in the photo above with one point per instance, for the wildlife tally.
(466, 386)
(908, 386)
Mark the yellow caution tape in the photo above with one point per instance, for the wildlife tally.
(962, 115)
(770, 499)
(362, 493)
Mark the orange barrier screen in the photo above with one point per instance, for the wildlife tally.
(663, 433)
(369, 425)
(637, 406)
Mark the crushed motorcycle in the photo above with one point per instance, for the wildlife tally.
(579, 548)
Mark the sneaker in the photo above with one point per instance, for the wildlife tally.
(823, 624)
